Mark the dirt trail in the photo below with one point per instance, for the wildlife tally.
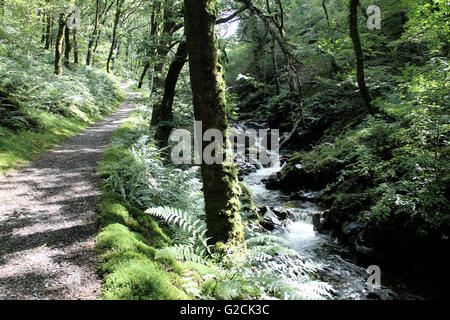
(47, 218)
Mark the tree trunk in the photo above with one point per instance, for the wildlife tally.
(116, 54)
(52, 33)
(94, 34)
(114, 36)
(43, 20)
(144, 72)
(68, 47)
(158, 81)
(48, 31)
(164, 48)
(59, 44)
(354, 35)
(166, 126)
(220, 184)
(75, 46)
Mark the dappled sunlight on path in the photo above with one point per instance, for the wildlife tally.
(47, 218)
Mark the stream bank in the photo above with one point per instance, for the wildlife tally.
(291, 216)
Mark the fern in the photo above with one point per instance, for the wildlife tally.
(182, 252)
(189, 223)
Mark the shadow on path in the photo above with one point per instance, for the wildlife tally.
(47, 218)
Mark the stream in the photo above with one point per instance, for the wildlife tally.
(338, 266)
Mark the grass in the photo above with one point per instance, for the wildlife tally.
(19, 148)
(39, 110)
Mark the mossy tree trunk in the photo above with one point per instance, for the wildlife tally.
(68, 46)
(221, 188)
(360, 73)
(166, 126)
(59, 44)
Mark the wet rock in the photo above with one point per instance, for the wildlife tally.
(246, 169)
(270, 222)
(272, 182)
(283, 214)
(349, 229)
(316, 221)
(384, 294)
(310, 196)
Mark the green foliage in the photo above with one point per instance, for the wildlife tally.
(269, 270)
(188, 223)
(129, 262)
(39, 110)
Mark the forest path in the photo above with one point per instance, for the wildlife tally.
(47, 218)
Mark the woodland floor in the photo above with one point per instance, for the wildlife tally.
(48, 222)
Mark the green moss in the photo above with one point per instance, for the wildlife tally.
(126, 247)
(141, 279)
(113, 209)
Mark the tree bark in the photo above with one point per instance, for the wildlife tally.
(48, 31)
(116, 54)
(118, 14)
(220, 184)
(59, 44)
(94, 34)
(163, 49)
(165, 127)
(360, 73)
(144, 72)
(75, 46)
(68, 47)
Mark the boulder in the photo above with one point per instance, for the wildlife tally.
(272, 182)
(270, 220)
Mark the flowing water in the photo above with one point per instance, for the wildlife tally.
(338, 266)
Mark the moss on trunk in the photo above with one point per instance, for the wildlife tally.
(221, 187)
(59, 44)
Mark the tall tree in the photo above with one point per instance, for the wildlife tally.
(117, 17)
(165, 127)
(102, 9)
(68, 46)
(360, 73)
(48, 30)
(76, 58)
(170, 26)
(220, 184)
(59, 43)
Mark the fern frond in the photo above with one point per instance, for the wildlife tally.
(183, 220)
(183, 253)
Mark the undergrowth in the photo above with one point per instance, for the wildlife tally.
(38, 109)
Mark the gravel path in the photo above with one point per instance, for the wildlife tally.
(47, 218)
